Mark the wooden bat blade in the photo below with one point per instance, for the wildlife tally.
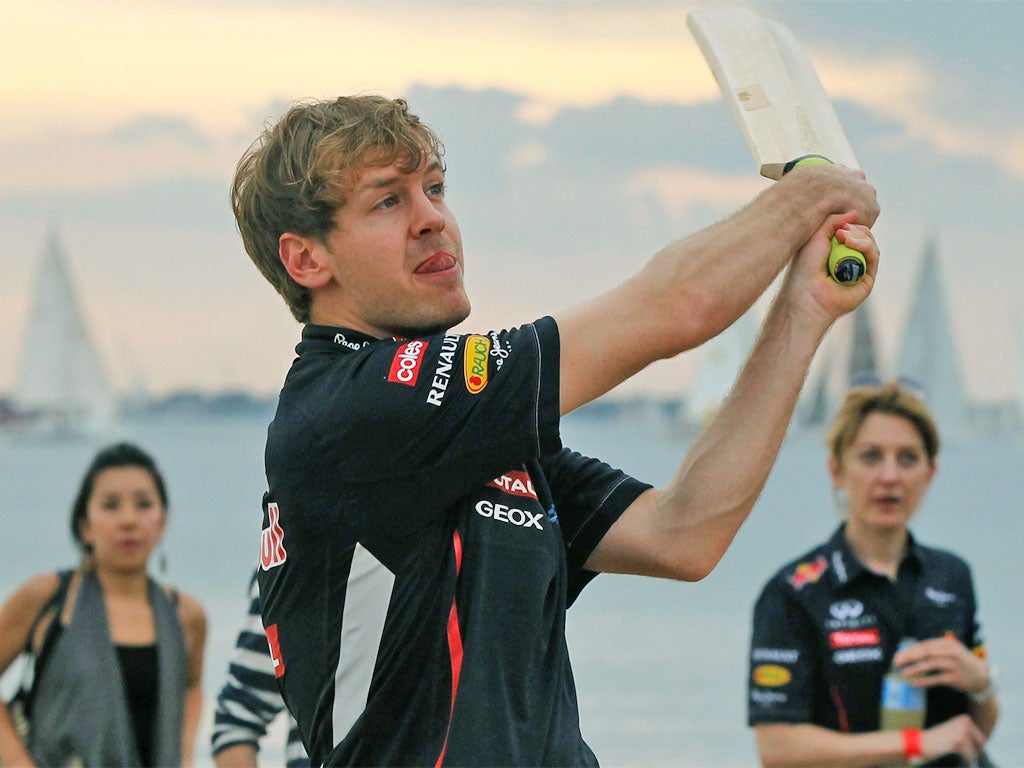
(771, 88)
(816, 114)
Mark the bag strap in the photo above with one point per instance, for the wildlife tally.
(35, 661)
(56, 600)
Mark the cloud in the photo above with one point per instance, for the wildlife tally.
(916, 97)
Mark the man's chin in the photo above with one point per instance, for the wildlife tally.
(433, 329)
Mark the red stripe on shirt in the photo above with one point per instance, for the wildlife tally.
(454, 646)
(844, 721)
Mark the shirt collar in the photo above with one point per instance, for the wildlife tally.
(844, 563)
(329, 338)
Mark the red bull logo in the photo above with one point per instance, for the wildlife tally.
(808, 573)
(272, 540)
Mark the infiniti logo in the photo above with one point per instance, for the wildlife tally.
(846, 609)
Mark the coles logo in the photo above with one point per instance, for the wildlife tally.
(272, 540)
(771, 675)
(517, 483)
(405, 368)
(854, 638)
(477, 350)
(275, 650)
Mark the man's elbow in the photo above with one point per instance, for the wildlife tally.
(693, 566)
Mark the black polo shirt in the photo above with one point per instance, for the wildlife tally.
(424, 533)
(826, 629)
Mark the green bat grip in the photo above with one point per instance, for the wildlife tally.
(845, 265)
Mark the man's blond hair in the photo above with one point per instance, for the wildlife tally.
(297, 173)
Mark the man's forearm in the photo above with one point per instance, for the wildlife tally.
(727, 466)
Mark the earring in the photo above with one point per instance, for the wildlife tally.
(162, 563)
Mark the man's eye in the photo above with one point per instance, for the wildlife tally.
(436, 190)
(388, 202)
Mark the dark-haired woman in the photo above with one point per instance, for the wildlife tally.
(117, 657)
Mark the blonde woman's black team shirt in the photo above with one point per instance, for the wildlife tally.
(424, 532)
(826, 629)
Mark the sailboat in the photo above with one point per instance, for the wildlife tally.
(850, 354)
(718, 363)
(61, 385)
(928, 352)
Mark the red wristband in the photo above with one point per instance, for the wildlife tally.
(912, 746)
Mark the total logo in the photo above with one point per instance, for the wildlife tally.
(507, 514)
(517, 483)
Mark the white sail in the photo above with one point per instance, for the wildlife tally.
(61, 383)
(718, 363)
(850, 354)
(928, 351)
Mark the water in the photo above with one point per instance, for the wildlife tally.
(660, 666)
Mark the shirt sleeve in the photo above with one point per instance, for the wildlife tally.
(781, 683)
(976, 639)
(588, 497)
(249, 700)
(408, 420)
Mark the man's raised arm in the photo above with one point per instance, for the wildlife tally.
(696, 287)
(683, 530)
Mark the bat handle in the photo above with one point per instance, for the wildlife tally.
(845, 265)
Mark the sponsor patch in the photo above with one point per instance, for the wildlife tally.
(808, 573)
(857, 655)
(405, 368)
(771, 675)
(275, 650)
(517, 483)
(777, 655)
(272, 551)
(768, 698)
(443, 371)
(853, 638)
(506, 514)
(939, 597)
(846, 609)
(477, 350)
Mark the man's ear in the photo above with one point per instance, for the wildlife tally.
(305, 260)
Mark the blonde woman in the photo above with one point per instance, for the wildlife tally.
(827, 625)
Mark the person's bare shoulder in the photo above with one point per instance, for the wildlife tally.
(28, 599)
(192, 616)
(20, 610)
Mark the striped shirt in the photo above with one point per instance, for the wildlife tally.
(249, 700)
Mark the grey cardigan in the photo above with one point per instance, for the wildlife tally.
(79, 709)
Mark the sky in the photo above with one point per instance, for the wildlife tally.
(581, 137)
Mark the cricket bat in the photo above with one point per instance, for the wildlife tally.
(778, 102)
